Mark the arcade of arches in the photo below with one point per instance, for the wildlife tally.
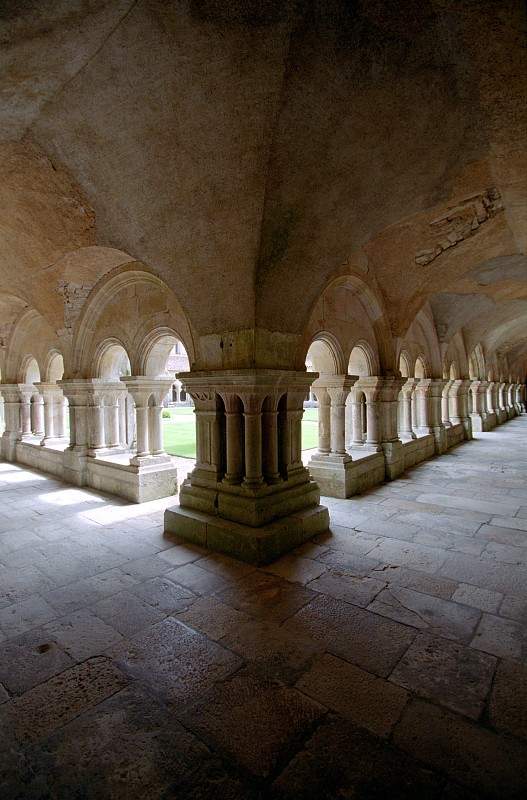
(335, 211)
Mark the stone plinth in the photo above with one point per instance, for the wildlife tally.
(249, 494)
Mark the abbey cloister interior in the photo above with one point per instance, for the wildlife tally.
(231, 221)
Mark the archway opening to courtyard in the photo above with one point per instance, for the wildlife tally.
(166, 357)
(361, 366)
(322, 358)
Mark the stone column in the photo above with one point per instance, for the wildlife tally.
(111, 420)
(123, 437)
(492, 403)
(13, 428)
(54, 431)
(355, 403)
(270, 439)
(142, 428)
(478, 414)
(338, 397)
(156, 429)
(370, 387)
(430, 392)
(233, 439)
(407, 432)
(37, 421)
(49, 416)
(517, 398)
(77, 392)
(324, 418)
(511, 411)
(252, 417)
(415, 407)
(502, 403)
(26, 392)
(388, 390)
(290, 433)
(148, 395)
(445, 404)
(459, 412)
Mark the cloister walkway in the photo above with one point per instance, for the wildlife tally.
(385, 659)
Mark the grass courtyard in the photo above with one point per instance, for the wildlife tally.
(179, 431)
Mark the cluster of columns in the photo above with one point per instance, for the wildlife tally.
(249, 493)
(32, 413)
(248, 442)
(493, 402)
(105, 417)
(359, 412)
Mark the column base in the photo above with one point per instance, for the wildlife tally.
(101, 452)
(341, 477)
(75, 465)
(481, 423)
(502, 416)
(393, 459)
(440, 439)
(250, 508)
(54, 441)
(257, 546)
(138, 483)
(8, 445)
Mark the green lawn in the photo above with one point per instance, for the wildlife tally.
(180, 440)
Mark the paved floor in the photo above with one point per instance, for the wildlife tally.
(386, 659)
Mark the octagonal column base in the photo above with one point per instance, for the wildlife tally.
(255, 545)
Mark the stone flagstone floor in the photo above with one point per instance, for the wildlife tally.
(387, 659)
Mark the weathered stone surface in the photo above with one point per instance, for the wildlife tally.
(164, 595)
(367, 701)
(356, 635)
(266, 596)
(126, 746)
(127, 613)
(175, 661)
(508, 701)
(211, 617)
(25, 615)
(447, 673)
(278, 652)
(296, 569)
(255, 723)
(418, 581)
(499, 636)
(514, 608)
(198, 580)
(483, 599)
(341, 760)
(30, 659)
(357, 565)
(475, 757)
(433, 614)
(344, 586)
(57, 701)
(82, 634)
(416, 556)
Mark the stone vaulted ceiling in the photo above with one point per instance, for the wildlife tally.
(250, 152)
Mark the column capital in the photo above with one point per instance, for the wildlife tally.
(431, 387)
(10, 392)
(79, 390)
(248, 381)
(409, 385)
(141, 387)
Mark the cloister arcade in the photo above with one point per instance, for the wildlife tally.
(96, 419)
